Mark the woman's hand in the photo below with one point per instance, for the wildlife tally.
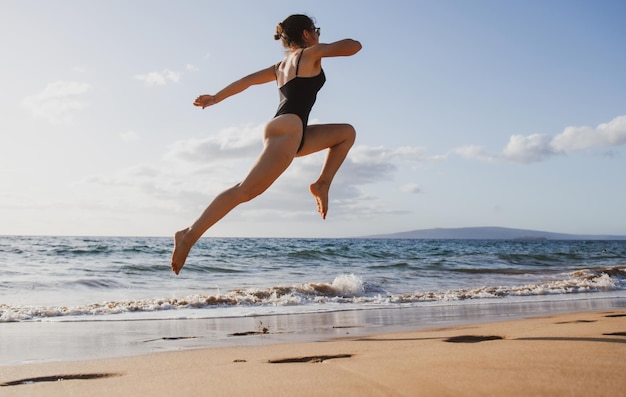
(205, 100)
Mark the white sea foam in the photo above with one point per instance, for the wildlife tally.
(345, 289)
(348, 284)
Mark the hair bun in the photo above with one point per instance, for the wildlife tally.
(290, 31)
(279, 31)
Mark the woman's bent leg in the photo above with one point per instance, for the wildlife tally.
(278, 153)
(338, 139)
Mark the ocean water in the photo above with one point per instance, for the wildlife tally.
(73, 279)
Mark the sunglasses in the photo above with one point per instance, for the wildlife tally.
(316, 30)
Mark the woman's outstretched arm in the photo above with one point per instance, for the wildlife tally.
(341, 48)
(261, 77)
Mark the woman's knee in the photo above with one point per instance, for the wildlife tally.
(349, 133)
(244, 192)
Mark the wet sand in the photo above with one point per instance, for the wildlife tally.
(580, 353)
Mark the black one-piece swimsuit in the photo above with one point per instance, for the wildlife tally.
(298, 95)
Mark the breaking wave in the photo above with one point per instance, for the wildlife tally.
(344, 289)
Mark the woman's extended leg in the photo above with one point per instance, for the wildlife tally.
(281, 140)
(338, 139)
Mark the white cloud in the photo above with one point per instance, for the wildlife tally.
(366, 172)
(409, 153)
(474, 152)
(608, 134)
(129, 136)
(195, 170)
(172, 76)
(412, 188)
(366, 154)
(159, 78)
(59, 101)
(382, 155)
(231, 143)
(537, 147)
(528, 149)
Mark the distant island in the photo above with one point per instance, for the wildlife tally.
(490, 233)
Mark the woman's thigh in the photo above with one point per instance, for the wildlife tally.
(281, 141)
(323, 136)
(285, 125)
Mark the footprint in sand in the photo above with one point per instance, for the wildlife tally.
(170, 338)
(577, 321)
(57, 378)
(308, 359)
(472, 338)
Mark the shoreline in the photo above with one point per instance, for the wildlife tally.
(574, 353)
(60, 341)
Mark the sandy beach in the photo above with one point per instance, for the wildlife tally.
(573, 354)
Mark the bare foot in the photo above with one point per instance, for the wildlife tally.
(181, 250)
(319, 190)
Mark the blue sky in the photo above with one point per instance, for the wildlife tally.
(468, 113)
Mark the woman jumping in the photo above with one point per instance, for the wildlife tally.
(299, 76)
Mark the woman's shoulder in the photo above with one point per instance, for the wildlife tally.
(290, 58)
(286, 69)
